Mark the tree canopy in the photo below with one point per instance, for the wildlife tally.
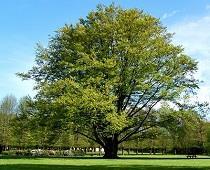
(7, 111)
(103, 75)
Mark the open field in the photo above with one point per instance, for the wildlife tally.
(125, 163)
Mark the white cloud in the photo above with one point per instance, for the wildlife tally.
(194, 35)
(168, 15)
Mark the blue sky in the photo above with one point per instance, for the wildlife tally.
(27, 22)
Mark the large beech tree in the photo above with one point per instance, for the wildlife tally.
(103, 75)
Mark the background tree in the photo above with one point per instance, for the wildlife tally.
(7, 112)
(187, 124)
(22, 123)
(103, 75)
(207, 141)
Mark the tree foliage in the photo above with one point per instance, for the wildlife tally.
(103, 75)
(7, 112)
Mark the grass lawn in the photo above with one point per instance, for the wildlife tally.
(158, 162)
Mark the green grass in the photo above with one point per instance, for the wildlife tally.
(146, 162)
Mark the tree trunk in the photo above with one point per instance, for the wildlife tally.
(1, 149)
(111, 148)
(137, 151)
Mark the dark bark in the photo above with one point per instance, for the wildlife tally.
(137, 151)
(2, 148)
(128, 151)
(111, 148)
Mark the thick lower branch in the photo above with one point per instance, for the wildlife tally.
(91, 138)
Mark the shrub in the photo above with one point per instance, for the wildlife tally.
(78, 152)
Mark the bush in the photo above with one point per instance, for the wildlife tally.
(9, 152)
(67, 153)
(207, 147)
(78, 152)
(48, 153)
(17, 153)
(44, 153)
(23, 153)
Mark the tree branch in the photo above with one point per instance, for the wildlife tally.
(131, 91)
(87, 136)
(151, 126)
(145, 104)
(128, 135)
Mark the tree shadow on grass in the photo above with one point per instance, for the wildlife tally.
(93, 167)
